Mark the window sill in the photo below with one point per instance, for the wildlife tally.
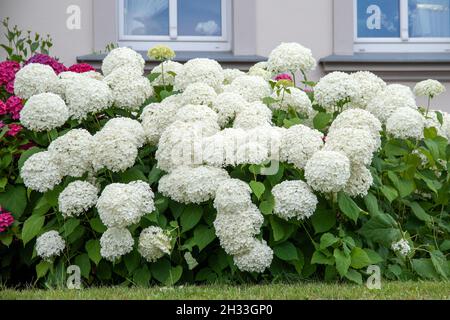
(226, 59)
(393, 66)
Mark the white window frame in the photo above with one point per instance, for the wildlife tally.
(180, 43)
(404, 43)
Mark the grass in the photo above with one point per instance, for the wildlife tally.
(308, 291)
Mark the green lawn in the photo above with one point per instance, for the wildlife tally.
(389, 290)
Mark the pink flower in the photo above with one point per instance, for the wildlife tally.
(14, 105)
(1, 124)
(6, 220)
(81, 68)
(10, 87)
(283, 76)
(3, 108)
(57, 66)
(14, 129)
(8, 70)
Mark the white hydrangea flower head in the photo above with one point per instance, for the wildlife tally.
(370, 85)
(446, 124)
(236, 231)
(291, 57)
(49, 245)
(121, 57)
(429, 88)
(169, 68)
(220, 150)
(251, 88)
(73, 152)
(121, 76)
(199, 70)
(357, 144)
(129, 128)
(197, 113)
(298, 144)
(44, 112)
(86, 96)
(405, 123)
(294, 199)
(359, 182)
(130, 95)
(77, 198)
(252, 152)
(34, 78)
(181, 144)
(115, 243)
(258, 259)
(113, 151)
(335, 88)
(121, 205)
(227, 105)
(269, 137)
(327, 171)
(156, 117)
(64, 78)
(232, 196)
(231, 74)
(192, 185)
(295, 99)
(40, 172)
(199, 93)
(260, 72)
(154, 243)
(253, 115)
(401, 247)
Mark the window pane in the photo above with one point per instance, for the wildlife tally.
(199, 18)
(146, 17)
(429, 18)
(378, 18)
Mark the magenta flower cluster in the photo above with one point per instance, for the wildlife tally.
(6, 220)
(57, 66)
(8, 70)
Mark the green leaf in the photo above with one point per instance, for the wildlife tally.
(322, 120)
(154, 174)
(404, 187)
(381, 228)
(319, 258)
(174, 275)
(69, 226)
(286, 251)
(445, 245)
(258, 188)
(132, 261)
(327, 240)
(97, 225)
(160, 270)
(440, 263)
(203, 236)
(360, 259)
(323, 220)
(82, 261)
(354, 276)
(6, 239)
(267, 206)
(419, 212)
(373, 256)
(348, 206)
(132, 174)
(42, 268)
(190, 217)
(371, 203)
(14, 200)
(31, 228)
(425, 268)
(153, 76)
(280, 229)
(343, 261)
(389, 192)
(93, 249)
(142, 276)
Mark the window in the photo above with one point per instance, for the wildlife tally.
(189, 25)
(402, 26)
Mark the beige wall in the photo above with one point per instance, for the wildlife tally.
(49, 17)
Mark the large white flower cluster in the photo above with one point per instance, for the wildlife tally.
(115, 243)
(192, 185)
(65, 78)
(49, 245)
(131, 93)
(154, 243)
(291, 57)
(295, 99)
(335, 90)
(253, 115)
(405, 123)
(260, 71)
(199, 93)
(40, 172)
(121, 57)
(44, 112)
(121, 205)
(200, 70)
(294, 199)
(32, 79)
(227, 105)
(369, 86)
(77, 198)
(251, 88)
(168, 78)
(429, 88)
(231, 74)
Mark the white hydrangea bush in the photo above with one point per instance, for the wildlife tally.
(195, 160)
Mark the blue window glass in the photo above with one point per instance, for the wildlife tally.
(146, 17)
(199, 18)
(378, 18)
(429, 18)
